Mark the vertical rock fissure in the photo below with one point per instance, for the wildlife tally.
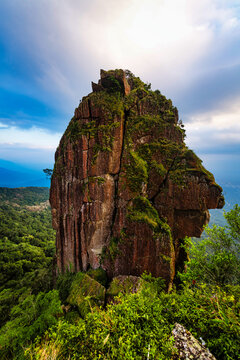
(79, 227)
(84, 228)
(61, 240)
(75, 245)
(61, 231)
(116, 177)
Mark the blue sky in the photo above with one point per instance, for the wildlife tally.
(50, 51)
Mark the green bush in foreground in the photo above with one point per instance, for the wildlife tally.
(209, 313)
(127, 330)
(29, 319)
(142, 322)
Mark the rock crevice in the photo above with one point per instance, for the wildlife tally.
(116, 177)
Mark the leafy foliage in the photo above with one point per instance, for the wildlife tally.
(63, 284)
(29, 319)
(209, 313)
(48, 173)
(136, 325)
(140, 323)
(125, 330)
(216, 259)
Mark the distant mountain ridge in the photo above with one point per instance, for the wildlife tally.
(14, 175)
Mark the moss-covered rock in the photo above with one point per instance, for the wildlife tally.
(141, 210)
(99, 275)
(136, 172)
(86, 293)
(125, 285)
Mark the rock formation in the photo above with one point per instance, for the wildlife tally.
(125, 188)
(187, 347)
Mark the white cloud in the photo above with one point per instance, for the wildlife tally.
(216, 129)
(171, 43)
(33, 138)
(3, 125)
(161, 40)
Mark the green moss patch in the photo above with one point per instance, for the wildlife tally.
(99, 275)
(143, 211)
(136, 172)
(86, 293)
(159, 168)
(194, 164)
(124, 284)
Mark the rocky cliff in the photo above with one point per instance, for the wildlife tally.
(125, 188)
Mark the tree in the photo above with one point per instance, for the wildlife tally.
(216, 259)
(48, 173)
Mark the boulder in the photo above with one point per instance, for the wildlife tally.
(123, 284)
(187, 347)
(86, 293)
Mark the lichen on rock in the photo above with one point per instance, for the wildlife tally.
(187, 347)
(122, 167)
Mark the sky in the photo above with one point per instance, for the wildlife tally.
(51, 50)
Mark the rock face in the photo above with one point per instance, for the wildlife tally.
(125, 188)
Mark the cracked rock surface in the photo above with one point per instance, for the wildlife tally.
(125, 188)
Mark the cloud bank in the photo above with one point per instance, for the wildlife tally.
(34, 145)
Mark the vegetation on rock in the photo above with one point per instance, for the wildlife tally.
(130, 136)
(143, 211)
(85, 293)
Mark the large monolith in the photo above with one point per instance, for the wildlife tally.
(125, 189)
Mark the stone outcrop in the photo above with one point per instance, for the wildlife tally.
(187, 347)
(125, 188)
(124, 284)
(86, 293)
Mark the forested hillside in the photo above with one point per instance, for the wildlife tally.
(23, 196)
(26, 245)
(82, 316)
